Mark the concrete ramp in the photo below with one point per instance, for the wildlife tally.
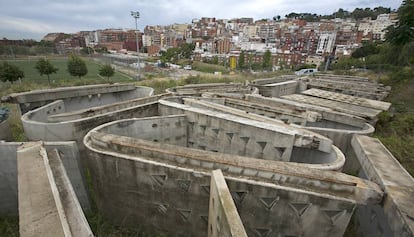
(47, 202)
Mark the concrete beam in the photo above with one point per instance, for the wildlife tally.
(380, 166)
(223, 218)
(47, 202)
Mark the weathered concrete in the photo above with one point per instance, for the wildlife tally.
(374, 104)
(53, 122)
(395, 215)
(349, 85)
(163, 186)
(278, 89)
(228, 89)
(78, 97)
(8, 173)
(5, 131)
(227, 133)
(223, 218)
(47, 202)
(344, 107)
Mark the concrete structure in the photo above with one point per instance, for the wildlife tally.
(339, 127)
(5, 132)
(69, 156)
(47, 202)
(348, 85)
(150, 161)
(361, 107)
(223, 218)
(395, 215)
(278, 89)
(228, 89)
(159, 181)
(55, 122)
(78, 97)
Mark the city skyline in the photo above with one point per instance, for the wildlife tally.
(20, 19)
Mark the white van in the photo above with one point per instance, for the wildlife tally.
(306, 71)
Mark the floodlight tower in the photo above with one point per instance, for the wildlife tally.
(135, 14)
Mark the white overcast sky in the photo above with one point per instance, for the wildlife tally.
(35, 18)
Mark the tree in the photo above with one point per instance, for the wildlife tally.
(403, 32)
(10, 72)
(44, 67)
(267, 60)
(240, 63)
(106, 71)
(77, 67)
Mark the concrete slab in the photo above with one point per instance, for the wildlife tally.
(47, 202)
(380, 166)
(223, 218)
(374, 104)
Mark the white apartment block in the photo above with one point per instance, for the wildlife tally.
(326, 43)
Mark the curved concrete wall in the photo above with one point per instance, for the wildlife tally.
(78, 97)
(176, 130)
(166, 187)
(52, 122)
(228, 89)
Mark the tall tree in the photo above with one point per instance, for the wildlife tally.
(10, 72)
(106, 71)
(240, 63)
(44, 67)
(267, 60)
(77, 67)
(403, 32)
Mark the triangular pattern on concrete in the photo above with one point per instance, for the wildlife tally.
(300, 208)
(205, 219)
(245, 139)
(262, 232)
(230, 135)
(262, 145)
(206, 188)
(159, 179)
(184, 184)
(239, 196)
(202, 147)
(280, 150)
(162, 208)
(269, 202)
(185, 214)
(333, 215)
(216, 131)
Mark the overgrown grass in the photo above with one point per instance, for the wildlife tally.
(395, 129)
(9, 226)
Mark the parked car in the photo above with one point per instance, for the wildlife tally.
(187, 67)
(306, 71)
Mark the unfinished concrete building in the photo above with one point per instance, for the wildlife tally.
(152, 161)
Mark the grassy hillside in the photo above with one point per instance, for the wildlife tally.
(395, 128)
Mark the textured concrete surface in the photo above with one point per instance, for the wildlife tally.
(223, 218)
(78, 97)
(48, 205)
(165, 186)
(38, 214)
(8, 173)
(380, 166)
(228, 89)
(5, 131)
(278, 89)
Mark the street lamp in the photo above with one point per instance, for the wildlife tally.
(135, 14)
